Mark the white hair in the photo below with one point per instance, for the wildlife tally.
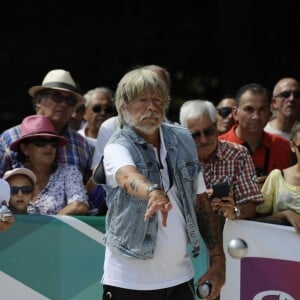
(107, 91)
(193, 109)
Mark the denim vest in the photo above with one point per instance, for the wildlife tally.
(126, 231)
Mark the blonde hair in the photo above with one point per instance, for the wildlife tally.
(136, 82)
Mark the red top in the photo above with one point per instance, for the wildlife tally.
(279, 150)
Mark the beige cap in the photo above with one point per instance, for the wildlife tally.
(20, 171)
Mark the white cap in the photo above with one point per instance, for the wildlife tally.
(20, 171)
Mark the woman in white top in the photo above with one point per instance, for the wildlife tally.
(281, 189)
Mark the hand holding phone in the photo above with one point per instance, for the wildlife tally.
(220, 190)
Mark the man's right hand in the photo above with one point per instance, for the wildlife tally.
(158, 201)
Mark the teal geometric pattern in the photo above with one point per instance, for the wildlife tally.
(57, 260)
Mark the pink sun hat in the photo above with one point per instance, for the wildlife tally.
(36, 125)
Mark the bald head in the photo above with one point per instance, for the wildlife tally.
(286, 83)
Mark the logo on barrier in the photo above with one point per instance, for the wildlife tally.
(267, 278)
(281, 295)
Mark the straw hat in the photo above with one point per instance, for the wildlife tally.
(36, 125)
(58, 80)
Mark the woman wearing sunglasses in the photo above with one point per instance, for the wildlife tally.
(59, 188)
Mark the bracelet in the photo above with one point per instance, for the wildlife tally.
(153, 187)
(237, 212)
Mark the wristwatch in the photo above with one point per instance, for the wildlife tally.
(153, 187)
(237, 212)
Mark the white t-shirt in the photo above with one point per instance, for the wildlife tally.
(90, 140)
(171, 264)
(106, 130)
(268, 128)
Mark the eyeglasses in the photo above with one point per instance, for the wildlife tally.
(26, 189)
(59, 98)
(205, 132)
(225, 111)
(287, 94)
(42, 142)
(107, 110)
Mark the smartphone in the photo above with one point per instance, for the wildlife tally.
(220, 189)
(260, 172)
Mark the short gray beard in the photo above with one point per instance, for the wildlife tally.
(128, 119)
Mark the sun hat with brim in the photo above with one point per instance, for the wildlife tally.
(36, 125)
(20, 171)
(58, 80)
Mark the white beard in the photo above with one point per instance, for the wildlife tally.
(147, 129)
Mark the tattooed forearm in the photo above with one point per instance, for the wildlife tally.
(207, 223)
(134, 183)
(130, 180)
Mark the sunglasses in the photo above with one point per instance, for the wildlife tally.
(26, 189)
(107, 110)
(60, 98)
(206, 132)
(287, 94)
(42, 142)
(225, 111)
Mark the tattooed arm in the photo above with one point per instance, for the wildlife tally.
(210, 232)
(208, 226)
(136, 184)
(133, 182)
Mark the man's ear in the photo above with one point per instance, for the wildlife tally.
(234, 113)
(273, 104)
(37, 106)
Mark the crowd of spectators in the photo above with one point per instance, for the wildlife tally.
(240, 141)
(247, 148)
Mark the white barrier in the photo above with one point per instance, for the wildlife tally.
(271, 267)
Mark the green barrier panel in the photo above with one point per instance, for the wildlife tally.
(49, 257)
